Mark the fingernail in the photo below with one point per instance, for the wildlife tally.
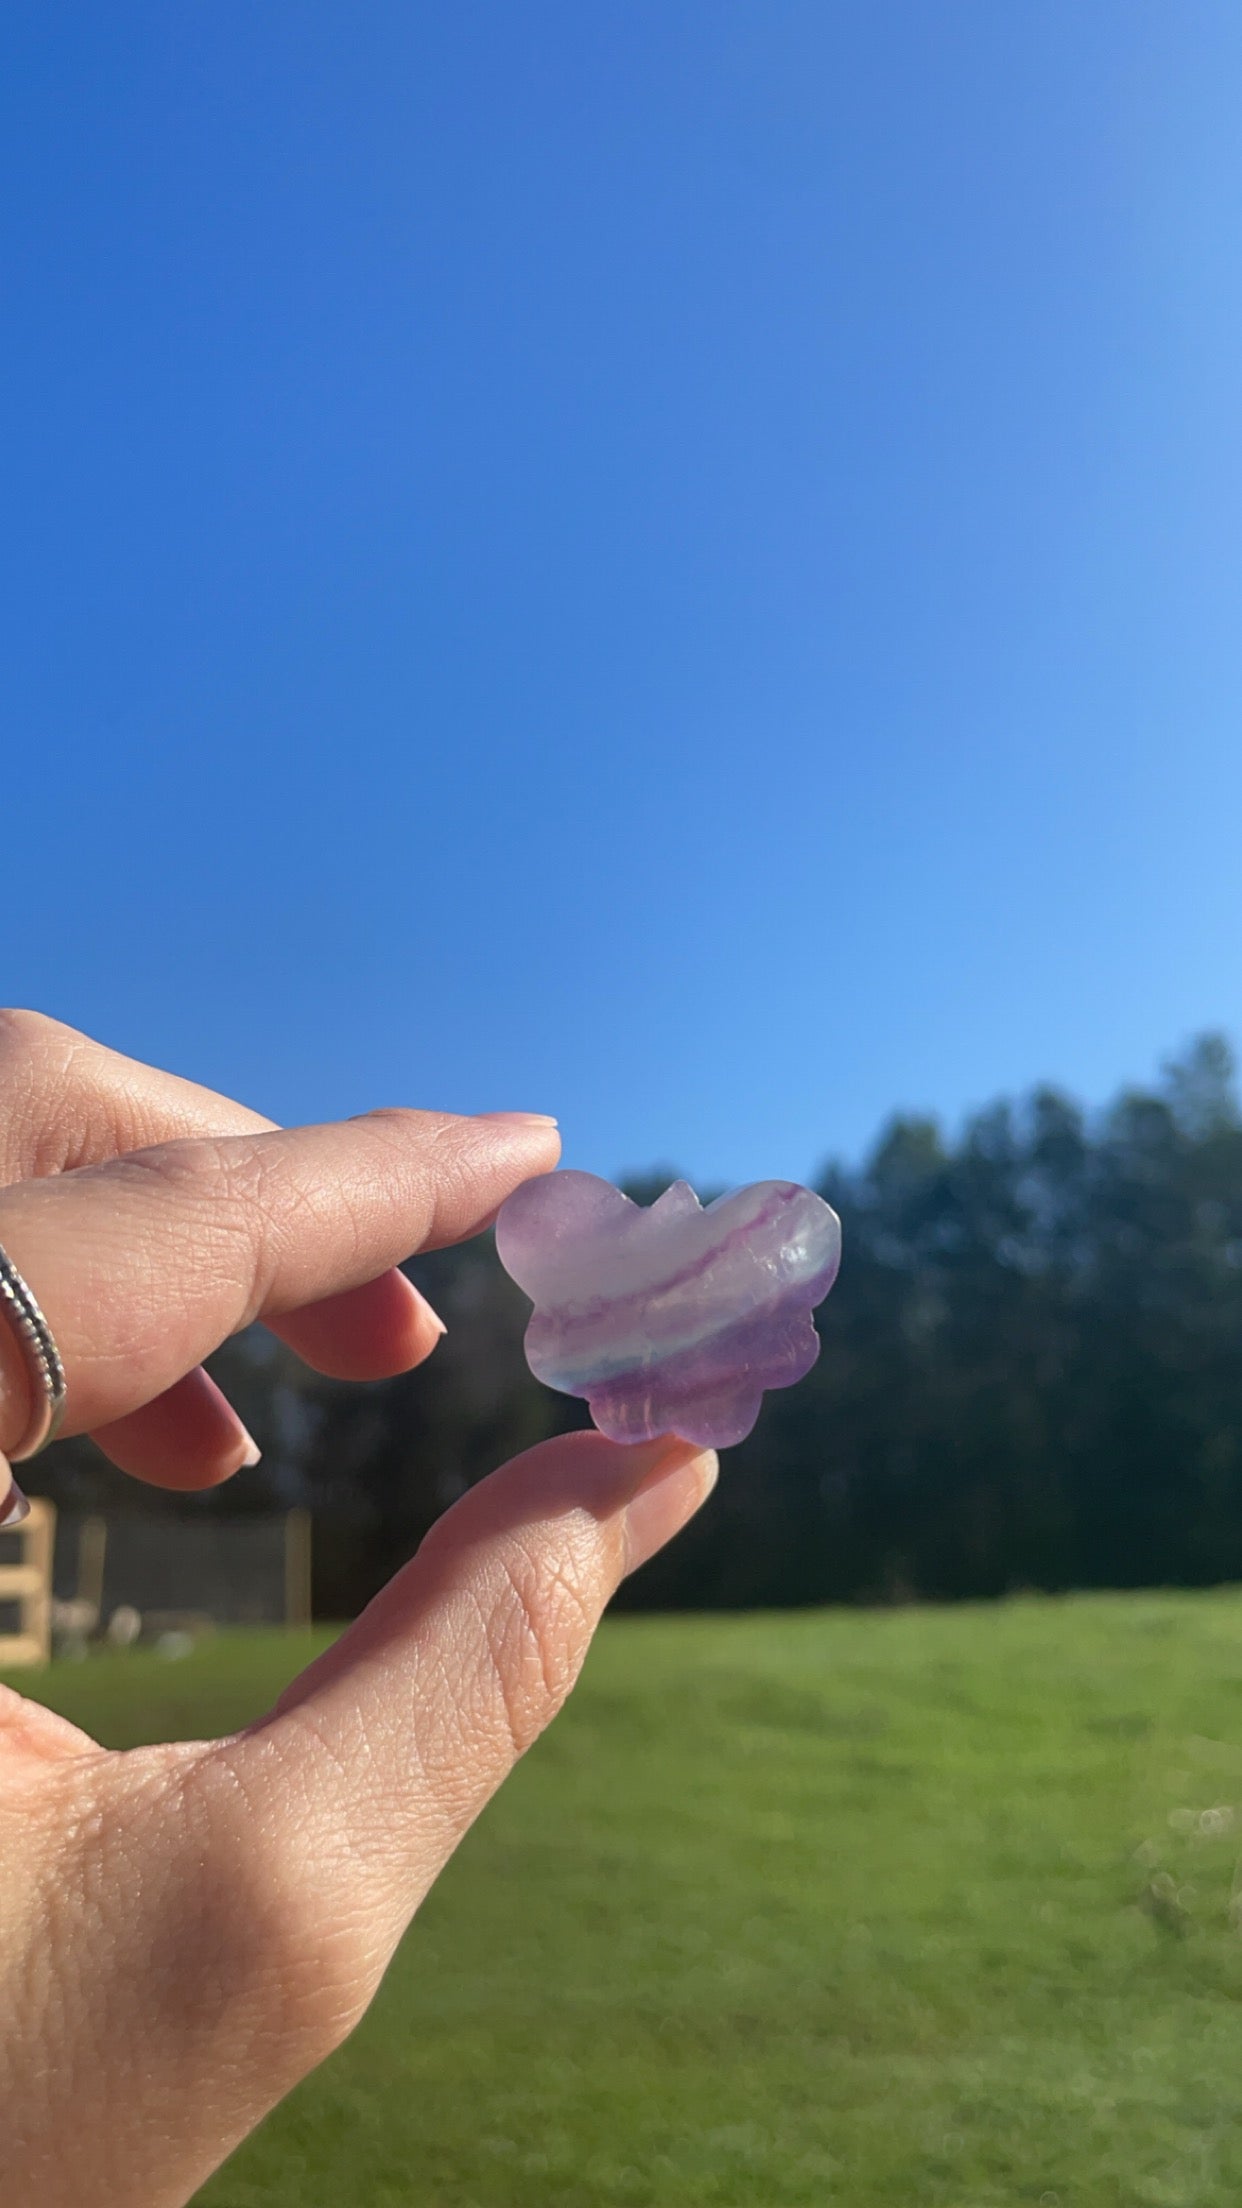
(253, 1452)
(428, 1309)
(667, 1500)
(15, 1510)
(418, 1303)
(520, 1119)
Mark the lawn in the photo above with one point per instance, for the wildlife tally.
(863, 1908)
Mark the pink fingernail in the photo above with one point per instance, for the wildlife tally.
(253, 1453)
(668, 1498)
(520, 1119)
(419, 1300)
(15, 1510)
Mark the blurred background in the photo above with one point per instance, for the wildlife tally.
(679, 566)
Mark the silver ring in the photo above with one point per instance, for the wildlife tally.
(47, 1373)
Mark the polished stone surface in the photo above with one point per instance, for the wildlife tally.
(674, 1318)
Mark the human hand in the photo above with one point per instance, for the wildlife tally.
(186, 1930)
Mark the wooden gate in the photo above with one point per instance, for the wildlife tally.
(29, 1584)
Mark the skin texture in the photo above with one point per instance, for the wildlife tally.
(185, 1931)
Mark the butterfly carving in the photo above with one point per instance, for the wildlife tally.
(673, 1317)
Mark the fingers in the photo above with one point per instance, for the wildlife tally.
(146, 1263)
(368, 1333)
(202, 1924)
(389, 1746)
(189, 1437)
(66, 1101)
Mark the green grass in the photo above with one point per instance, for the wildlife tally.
(904, 1907)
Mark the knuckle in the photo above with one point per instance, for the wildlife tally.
(37, 1057)
(538, 1629)
(399, 1119)
(26, 1033)
(434, 1156)
(222, 1196)
(185, 1178)
(245, 1186)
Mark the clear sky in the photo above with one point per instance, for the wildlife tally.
(677, 563)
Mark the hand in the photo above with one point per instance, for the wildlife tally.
(186, 1930)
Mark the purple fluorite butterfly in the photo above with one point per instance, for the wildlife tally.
(672, 1319)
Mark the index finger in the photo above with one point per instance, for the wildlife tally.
(68, 1101)
(144, 1264)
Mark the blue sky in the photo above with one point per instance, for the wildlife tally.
(675, 564)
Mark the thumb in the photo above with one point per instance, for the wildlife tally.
(382, 1754)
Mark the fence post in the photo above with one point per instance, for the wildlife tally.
(31, 1583)
(298, 1568)
(92, 1557)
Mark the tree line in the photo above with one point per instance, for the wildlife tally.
(1030, 1378)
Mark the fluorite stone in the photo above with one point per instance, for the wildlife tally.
(676, 1317)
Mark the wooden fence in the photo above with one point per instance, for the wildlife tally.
(28, 1583)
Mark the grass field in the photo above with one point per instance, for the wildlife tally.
(858, 1908)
